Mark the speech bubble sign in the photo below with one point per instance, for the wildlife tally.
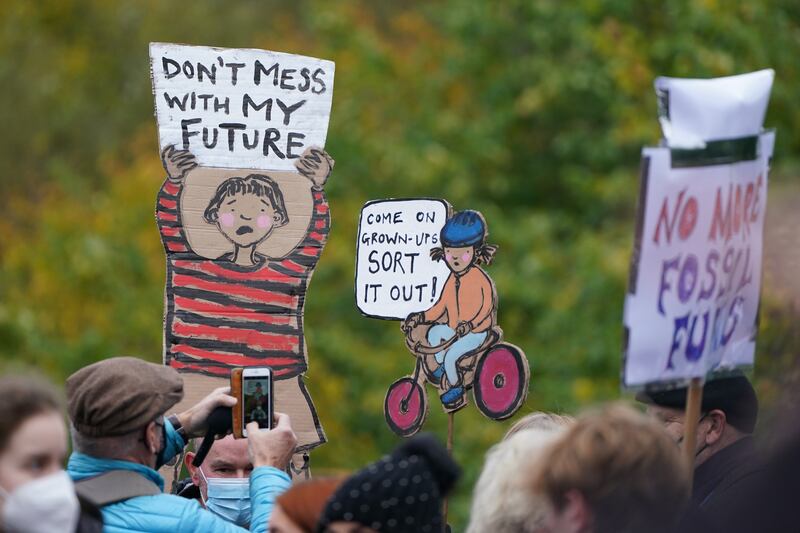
(395, 274)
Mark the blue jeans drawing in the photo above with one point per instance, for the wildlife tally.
(441, 332)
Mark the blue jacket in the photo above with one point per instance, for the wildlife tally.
(173, 514)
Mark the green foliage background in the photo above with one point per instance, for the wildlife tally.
(532, 111)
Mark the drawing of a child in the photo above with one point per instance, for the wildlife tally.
(243, 308)
(467, 305)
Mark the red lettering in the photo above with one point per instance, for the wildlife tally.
(737, 210)
(748, 200)
(688, 219)
(664, 219)
(721, 223)
(754, 215)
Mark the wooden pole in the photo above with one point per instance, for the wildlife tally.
(451, 421)
(694, 397)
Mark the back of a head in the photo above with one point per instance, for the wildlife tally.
(304, 502)
(22, 397)
(502, 501)
(402, 492)
(539, 420)
(624, 465)
(119, 395)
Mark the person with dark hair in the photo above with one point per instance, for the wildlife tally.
(36, 495)
(402, 492)
(466, 307)
(725, 455)
(246, 211)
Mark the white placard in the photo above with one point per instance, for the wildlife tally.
(696, 280)
(701, 110)
(240, 108)
(395, 274)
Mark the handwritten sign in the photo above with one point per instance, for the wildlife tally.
(696, 274)
(395, 274)
(240, 108)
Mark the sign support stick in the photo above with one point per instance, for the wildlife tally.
(451, 421)
(694, 397)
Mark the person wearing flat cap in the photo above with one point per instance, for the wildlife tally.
(122, 432)
(725, 456)
(402, 492)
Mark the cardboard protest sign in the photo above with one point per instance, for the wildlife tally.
(694, 289)
(240, 108)
(243, 228)
(419, 262)
(395, 274)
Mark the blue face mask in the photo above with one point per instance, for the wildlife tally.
(228, 498)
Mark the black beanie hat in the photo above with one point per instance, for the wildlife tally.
(402, 492)
(732, 394)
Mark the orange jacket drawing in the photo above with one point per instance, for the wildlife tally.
(469, 298)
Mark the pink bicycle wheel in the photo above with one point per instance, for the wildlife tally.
(501, 384)
(405, 407)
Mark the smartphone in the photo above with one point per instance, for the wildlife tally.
(257, 396)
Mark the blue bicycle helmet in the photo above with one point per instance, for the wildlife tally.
(465, 228)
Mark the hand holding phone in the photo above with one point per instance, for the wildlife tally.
(253, 390)
(195, 419)
(274, 447)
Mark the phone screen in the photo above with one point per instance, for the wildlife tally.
(256, 392)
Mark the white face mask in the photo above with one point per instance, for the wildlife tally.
(43, 505)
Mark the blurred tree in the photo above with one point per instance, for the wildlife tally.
(533, 112)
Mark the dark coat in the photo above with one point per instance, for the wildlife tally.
(719, 483)
(186, 489)
(724, 478)
(770, 501)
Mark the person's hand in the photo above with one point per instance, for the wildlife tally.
(316, 165)
(463, 328)
(177, 163)
(194, 419)
(271, 447)
(412, 320)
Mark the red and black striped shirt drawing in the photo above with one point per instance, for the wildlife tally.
(221, 315)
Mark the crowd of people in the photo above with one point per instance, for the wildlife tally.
(615, 468)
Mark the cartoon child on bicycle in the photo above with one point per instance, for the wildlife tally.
(467, 306)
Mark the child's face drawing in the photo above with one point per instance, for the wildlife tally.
(246, 219)
(459, 259)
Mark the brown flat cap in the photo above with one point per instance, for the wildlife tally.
(120, 395)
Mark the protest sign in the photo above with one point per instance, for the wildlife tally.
(395, 274)
(419, 263)
(693, 297)
(243, 215)
(240, 108)
(693, 112)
